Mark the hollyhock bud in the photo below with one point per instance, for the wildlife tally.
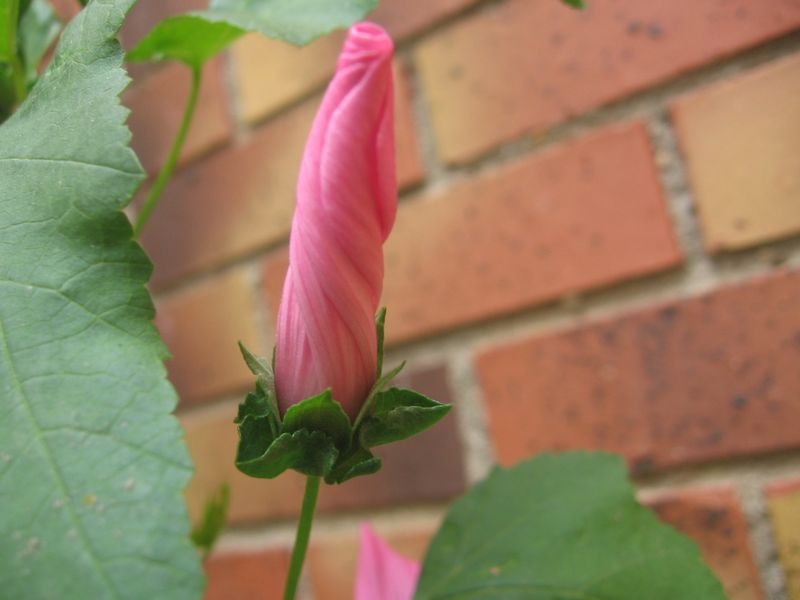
(346, 204)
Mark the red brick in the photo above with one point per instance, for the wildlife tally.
(66, 9)
(212, 438)
(746, 179)
(202, 326)
(713, 518)
(332, 560)
(543, 227)
(699, 379)
(783, 498)
(157, 103)
(255, 575)
(523, 66)
(241, 199)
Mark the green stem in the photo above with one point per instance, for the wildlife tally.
(172, 160)
(301, 539)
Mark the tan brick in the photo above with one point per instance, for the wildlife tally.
(241, 199)
(247, 575)
(202, 326)
(551, 224)
(705, 378)
(271, 74)
(157, 103)
(713, 518)
(784, 509)
(523, 66)
(742, 150)
(212, 438)
(332, 560)
(403, 18)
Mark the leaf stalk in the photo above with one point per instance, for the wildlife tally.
(172, 160)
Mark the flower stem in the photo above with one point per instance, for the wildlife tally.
(301, 539)
(172, 160)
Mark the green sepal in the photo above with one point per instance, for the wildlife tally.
(399, 414)
(262, 402)
(380, 323)
(579, 4)
(308, 452)
(320, 413)
(354, 464)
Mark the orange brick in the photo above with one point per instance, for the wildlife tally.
(743, 153)
(202, 326)
(698, 379)
(524, 66)
(332, 560)
(255, 575)
(242, 198)
(157, 103)
(211, 437)
(784, 509)
(713, 518)
(551, 224)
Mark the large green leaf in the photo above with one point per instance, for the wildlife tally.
(561, 527)
(91, 462)
(195, 37)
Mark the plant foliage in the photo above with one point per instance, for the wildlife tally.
(92, 464)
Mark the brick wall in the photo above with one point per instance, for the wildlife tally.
(598, 246)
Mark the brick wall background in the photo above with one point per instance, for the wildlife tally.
(598, 246)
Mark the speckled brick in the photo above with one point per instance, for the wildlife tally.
(783, 498)
(551, 224)
(705, 378)
(241, 199)
(332, 560)
(522, 66)
(157, 102)
(713, 518)
(247, 575)
(202, 326)
(212, 439)
(742, 151)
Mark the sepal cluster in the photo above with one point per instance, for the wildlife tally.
(315, 437)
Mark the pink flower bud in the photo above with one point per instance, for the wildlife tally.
(346, 204)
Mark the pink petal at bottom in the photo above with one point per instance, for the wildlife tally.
(382, 574)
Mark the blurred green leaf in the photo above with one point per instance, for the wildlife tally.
(191, 39)
(38, 28)
(561, 526)
(215, 513)
(579, 4)
(195, 37)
